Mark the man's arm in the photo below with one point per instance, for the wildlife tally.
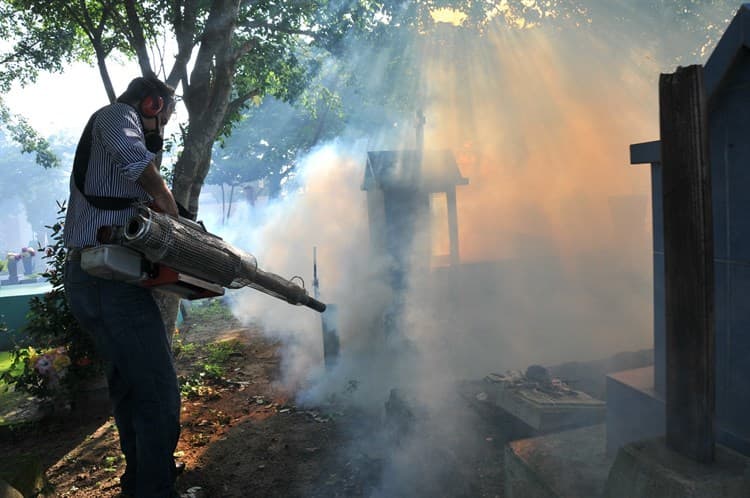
(154, 184)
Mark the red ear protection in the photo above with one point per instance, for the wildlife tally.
(151, 105)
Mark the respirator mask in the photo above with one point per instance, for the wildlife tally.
(154, 140)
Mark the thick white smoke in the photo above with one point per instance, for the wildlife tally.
(554, 230)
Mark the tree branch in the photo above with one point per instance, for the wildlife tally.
(238, 102)
(101, 60)
(214, 48)
(20, 53)
(87, 23)
(242, 50)
(279, 28)
(139, 40)
(184, 27)
(83, 22)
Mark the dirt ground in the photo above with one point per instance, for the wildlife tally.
(244, 436)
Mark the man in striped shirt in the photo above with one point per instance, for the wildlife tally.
(116, 167)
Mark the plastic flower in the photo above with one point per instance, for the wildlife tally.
(60, 362)
(44, 365)
(51, 364)
(33, 356)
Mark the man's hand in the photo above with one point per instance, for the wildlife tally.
(166, 204)
(154, 184)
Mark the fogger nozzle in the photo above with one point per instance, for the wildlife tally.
(187, 247)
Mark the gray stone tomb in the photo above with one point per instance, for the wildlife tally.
(727, 86)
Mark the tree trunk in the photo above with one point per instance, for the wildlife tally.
(168, 305)
(189, 173)
(101, 58)
(191, 168)
(206, 98)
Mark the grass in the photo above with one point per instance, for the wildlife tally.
(209, 311)
(210, 362)
(6, 358)
(219, 352)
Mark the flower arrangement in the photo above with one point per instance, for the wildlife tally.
(26, 252)
(26, 257)
(51, 365)
(13, 266)
(59, 356)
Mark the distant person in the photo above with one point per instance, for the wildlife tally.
(115, 167)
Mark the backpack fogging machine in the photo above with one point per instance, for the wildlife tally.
(181, 256)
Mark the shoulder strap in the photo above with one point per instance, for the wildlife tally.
(81, 166)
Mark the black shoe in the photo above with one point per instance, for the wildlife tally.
(179, 468)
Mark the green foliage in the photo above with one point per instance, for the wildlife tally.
(335, 61)
(209, 311)
(27, 137)
(35, 44)
(210, 361)
(192, 386)
(51, 326)
(265, 146)
(182, 348)
(6, 359)
(213, 371)
(34, 47)
(219, 352)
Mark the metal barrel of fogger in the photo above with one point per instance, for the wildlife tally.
(187, 248)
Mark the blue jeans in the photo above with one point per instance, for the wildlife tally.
(127, 328)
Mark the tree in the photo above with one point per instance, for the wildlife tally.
(265, 145)
(240, 51)
(32, 52)
(342, 93)
(27, 137)
(20, 183)
(228, 53)
(243, 50)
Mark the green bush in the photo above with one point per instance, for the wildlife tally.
(53, 333)
(209, 311)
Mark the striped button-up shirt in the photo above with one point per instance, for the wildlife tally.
(118, 157)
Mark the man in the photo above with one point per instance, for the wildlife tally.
(115, 167)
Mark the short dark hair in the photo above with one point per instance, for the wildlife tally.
(143, 86)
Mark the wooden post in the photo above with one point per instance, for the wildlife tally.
(689, 265)
(450, 198)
